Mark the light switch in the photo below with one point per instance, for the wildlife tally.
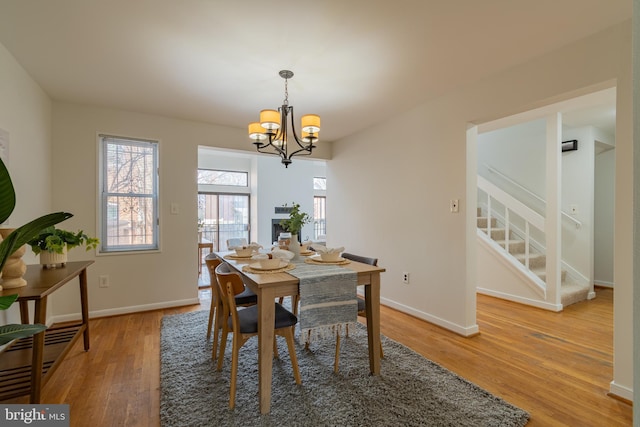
(175, 209)
(455, 205)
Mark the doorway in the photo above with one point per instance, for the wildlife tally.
(223, 216)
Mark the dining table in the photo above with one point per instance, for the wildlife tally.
(270, 286)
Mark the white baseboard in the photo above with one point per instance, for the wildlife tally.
(122, 310)
(603, 283)
(621, 391)
(521, 300)
(461, 330)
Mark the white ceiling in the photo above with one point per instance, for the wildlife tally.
(356, 62)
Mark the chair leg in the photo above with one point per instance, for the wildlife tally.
(336, 362)
(381, 353)
(288, 335)
(212, 312)
(276, 355)
(216, 332)
(306, 343)
(223, 345)
(234, 369)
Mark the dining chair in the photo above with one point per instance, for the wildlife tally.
(243, 323)
(362, 306)
(244, 299)
(236, 241)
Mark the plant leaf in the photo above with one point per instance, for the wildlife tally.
(23, 234)
(7, 193)
(6, 301)
(11, 332)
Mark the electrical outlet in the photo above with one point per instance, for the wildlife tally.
(103, 281)
(455, 206)
(405, 278)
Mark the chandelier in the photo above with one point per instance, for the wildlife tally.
(270, 135)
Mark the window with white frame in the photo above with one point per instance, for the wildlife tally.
(222, 177)
(129, 194)
(319, 208)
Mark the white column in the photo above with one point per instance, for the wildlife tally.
(552, 214)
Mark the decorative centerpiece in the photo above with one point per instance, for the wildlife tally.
(293, 225)
(53, 243)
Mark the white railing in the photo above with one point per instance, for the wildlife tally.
(530, 193)
(511, 205)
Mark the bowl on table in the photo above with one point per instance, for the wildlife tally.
(330, 256)
(270, 263)
(244, 251)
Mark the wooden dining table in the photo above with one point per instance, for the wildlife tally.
(270, 286)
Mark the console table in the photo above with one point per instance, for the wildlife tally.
(27, 364)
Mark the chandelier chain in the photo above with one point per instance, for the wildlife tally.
(286, 92)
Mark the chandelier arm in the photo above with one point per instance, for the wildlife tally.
(303, 146)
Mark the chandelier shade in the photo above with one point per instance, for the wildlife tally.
(271, 135)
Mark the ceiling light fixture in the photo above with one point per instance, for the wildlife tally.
(270, 134)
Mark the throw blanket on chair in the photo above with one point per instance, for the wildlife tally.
(327, 299)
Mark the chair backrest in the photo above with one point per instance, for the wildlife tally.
(239, 241)
(229, 285)
(212, 262)
(359, 258)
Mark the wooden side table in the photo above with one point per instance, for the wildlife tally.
(201, 246)
(26, 364)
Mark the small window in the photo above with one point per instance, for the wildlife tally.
(319, 183)
(220, 177)
(129, 194)
(319, 217)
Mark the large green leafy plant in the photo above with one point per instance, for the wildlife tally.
(52, 239)
(296, 219)
(12, 242)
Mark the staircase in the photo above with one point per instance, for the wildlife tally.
(571, 292)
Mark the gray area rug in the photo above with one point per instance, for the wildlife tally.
(411, 390)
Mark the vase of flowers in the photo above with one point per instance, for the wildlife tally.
(293, 225)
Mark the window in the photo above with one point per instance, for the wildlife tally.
(129, 194)
(319, 208)
(319, 217)
(220, 177)
(319, 184)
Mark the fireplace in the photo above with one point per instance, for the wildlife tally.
(276, 229)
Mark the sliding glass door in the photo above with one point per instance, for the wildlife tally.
(223, 216)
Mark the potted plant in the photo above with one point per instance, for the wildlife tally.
(52, 244)
(296, 220)
(14, 240)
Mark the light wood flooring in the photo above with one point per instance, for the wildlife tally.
(557, 366)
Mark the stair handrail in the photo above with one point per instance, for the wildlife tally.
(512, 203)
(491, 169)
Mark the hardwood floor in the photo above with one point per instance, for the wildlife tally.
(557, 366)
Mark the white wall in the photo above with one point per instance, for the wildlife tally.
(519, 153)
(277, 186)
(25, 114)
(578, 176)
(604, 218)
(396, 183)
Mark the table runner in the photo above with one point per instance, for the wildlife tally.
(327, 299)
